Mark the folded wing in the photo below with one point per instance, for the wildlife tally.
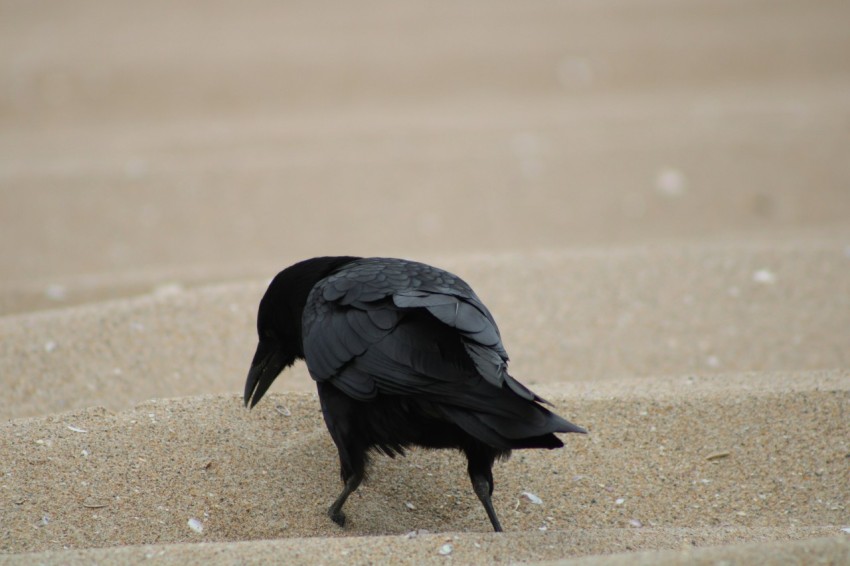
(403, 328)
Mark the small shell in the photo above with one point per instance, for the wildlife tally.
(196, 525)
(56, 292)
(283, 410)
(533, 498)
(764, 276)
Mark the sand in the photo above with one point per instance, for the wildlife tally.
(652, 199)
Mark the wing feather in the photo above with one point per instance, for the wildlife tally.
(402, 328)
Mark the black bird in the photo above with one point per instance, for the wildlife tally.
(402, 354)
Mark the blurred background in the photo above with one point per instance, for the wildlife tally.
(143, 142)
(652, 197)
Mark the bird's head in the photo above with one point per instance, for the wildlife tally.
(279, 322)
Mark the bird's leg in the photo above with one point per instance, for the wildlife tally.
(483, 489)
(335, 510)
(480, 470)
(340, 412)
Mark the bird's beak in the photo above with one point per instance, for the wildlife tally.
(269, 360)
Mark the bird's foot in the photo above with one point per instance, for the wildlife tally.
(336, 516)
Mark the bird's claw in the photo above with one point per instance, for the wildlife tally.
(337, 517)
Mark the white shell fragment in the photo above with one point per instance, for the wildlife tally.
(76, 428)
(764, 276)
(670, 182)
(533, 498)
(56, 292)
(620, 501)
(446, 549)
(168, 289)
(196, 525)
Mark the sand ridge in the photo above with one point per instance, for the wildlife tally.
(584, 317)
(697, 461)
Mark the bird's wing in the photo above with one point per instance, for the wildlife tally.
(401, 327)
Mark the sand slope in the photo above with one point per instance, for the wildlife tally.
(705, 453)
(578, 316)
(131, 141)
(698, 460)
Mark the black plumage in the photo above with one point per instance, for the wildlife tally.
(403, 354)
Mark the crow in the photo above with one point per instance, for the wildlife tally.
(403, 354)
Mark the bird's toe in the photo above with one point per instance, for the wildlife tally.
(337, 517)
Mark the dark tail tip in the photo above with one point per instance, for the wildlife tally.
(566, 426)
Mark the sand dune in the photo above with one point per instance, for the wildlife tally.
(691, 460)
(704, 453)
(652, 199)
(692, 546)
(565, 317)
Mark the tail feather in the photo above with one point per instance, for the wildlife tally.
(506, 433)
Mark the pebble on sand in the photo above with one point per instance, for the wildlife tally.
(533, 498)
(196, 525)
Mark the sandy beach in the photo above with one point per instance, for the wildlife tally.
(653, 199)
